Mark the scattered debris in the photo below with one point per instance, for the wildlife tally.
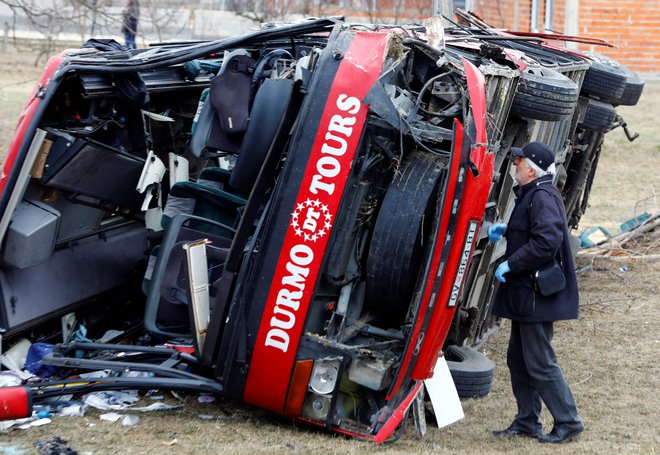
(110, 416)
(56, 446)
(110, 400)
(205, 398)
(34, 423)
(44, 414)
(639, 239)
(130, 420)
(14, 358)
(594, 236)
(9, 379)
(157, 407)
(13, 449)
(74, 410)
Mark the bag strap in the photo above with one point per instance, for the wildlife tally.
(541, 187)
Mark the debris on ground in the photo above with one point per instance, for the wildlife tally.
(56, 446)
(110, 416)
(13, 449)
(130, 420)
(639, 241)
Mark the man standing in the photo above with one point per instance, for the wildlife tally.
(536, 234)
(130, 18)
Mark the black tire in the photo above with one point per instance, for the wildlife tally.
(598, 116)
(473, 393)
(633, 90)
(544, 94)
(479, 381)
(471, 371)
(396, 249)
(474, 387)
(607, 80)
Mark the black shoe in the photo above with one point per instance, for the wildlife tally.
(513, 431)
(562, 433)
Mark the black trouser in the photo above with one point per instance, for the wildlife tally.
(536, 376)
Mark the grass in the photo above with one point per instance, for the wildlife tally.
(627, 178)
(610, 356)
(18, 76)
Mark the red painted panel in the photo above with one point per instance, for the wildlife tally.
(311, 222)
(470, 215)
(418, 335)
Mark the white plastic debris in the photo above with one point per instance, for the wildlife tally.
(157, 407)
(13, 449)
(130, 420)
(7, 424)
(99, 403)
(34, 423)
(75, 410)
(205, 398)
(110, 416)
(110, 400)
(14, 358)
(9, 379)
(94, 374)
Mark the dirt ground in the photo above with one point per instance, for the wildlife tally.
(610, 355)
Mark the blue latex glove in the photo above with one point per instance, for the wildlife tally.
(502, 270)
(495, 231)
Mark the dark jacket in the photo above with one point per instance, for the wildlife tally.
(130, 18)
(537, 231)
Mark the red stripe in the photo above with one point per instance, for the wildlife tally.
(426, 341)
(311, 222)
(397, 416)
(472, 207)
(448, 198)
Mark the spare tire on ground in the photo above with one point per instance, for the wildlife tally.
(471, 371)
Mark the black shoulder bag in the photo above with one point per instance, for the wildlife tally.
(549, 278)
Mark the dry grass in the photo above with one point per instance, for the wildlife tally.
(610, 355)
(18, 76)
(628, 175)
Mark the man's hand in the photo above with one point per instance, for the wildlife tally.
(495, 231)
(502, 270)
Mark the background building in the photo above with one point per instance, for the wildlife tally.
(631, 25)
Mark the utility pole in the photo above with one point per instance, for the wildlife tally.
(443, 9)
(571, 21)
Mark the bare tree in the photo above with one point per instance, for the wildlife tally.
(260, 11)
(48, 20)
(165, 20)
(58, 19)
